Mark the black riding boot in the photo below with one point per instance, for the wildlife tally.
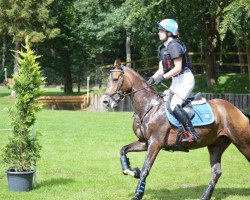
(183, 118)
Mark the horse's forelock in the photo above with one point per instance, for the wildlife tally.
(117, 63)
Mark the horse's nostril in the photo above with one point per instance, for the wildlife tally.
(105, 102)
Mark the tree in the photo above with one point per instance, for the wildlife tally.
(236, 18)
(67, 47)
(199, 21)
(33, 20)
(101, 29)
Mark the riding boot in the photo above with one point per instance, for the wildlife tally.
(184, 119)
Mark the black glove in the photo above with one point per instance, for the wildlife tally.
(150, 80)
(159, 79)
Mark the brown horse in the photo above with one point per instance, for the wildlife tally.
(155, 132)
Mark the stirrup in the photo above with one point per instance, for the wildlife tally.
(187, 137)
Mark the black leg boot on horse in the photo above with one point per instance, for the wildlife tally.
(184, 119)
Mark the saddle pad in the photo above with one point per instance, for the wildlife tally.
(203, 115)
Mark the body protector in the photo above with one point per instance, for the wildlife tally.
(174, 49)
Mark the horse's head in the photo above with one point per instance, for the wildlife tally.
(118, 86)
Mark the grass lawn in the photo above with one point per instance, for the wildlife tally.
(80, 160)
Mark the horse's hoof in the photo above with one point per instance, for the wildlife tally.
(135, 198)
(137, 172)
(205, 198)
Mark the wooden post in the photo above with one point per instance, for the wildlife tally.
(88, 78)
(5, 74)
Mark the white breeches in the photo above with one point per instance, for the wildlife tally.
(182, 85)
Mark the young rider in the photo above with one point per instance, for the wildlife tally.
(174, 63)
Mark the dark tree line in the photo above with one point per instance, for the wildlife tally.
(74, 37)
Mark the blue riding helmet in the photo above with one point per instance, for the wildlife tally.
(168, 25)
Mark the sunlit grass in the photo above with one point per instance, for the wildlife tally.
(227, 83)
(80, 160)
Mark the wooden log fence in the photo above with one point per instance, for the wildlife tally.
(65, 102)
(219, 61)
(241, 101)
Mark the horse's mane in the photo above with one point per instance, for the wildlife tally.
(135, 73)
(118, 64)
(132, 71)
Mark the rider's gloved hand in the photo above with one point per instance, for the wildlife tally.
(159, 79)
(150, 80)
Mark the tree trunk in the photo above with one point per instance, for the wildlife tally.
(248, 61)
(241, 58)
(211, 24)
(211, 75)
(15, 70)
(3, 53)
(68, 88)
(128, 49)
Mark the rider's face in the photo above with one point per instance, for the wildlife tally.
(162, 35)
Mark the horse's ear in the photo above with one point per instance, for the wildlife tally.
(117, 63)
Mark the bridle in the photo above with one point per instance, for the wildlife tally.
(118, 95)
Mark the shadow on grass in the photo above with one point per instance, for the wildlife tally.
(55, 182)
(4, 94)
(196, 192)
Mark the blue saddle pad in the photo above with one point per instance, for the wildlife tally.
(203, 115)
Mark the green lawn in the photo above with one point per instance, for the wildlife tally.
(80, 160)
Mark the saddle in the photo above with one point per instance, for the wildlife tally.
(197, 108)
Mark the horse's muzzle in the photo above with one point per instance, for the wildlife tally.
(106, 101)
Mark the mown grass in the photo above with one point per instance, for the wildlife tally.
(80, 160)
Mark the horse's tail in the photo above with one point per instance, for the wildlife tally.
(247, 114)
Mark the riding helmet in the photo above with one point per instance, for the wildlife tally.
(168, 25)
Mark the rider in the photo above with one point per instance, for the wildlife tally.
(174, 63)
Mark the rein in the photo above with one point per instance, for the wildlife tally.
(119, 95)
(139, 90)
(118, 89)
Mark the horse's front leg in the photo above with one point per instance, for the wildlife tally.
(153, 150)
(133, 147)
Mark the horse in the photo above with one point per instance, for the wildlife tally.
(155, 132)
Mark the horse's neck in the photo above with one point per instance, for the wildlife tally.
(141, 98)
(142, 102)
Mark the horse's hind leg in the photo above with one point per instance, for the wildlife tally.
(135, 146)
(215, 151)
(243, 145)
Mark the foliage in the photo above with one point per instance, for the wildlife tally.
(235, 19)
(101, 28)
(80, 35)
(22, 151)
(33, 19)
(227, 83)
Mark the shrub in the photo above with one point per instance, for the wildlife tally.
(22, 151)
